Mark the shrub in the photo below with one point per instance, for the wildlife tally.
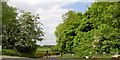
(15, 53)
(30, 49)
(10, 52)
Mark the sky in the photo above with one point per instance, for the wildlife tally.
(50, 12)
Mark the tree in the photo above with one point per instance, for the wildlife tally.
(20, 32)
(8, 25)
(65, 32)
(28, 33)
(96, 31)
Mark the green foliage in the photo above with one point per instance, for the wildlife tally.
(54, 49)
(70, 56)
(8, 14)
(20, 32)
(8, 25)
(28, 32)
(10, 52)
(66, 31)
(0, 22)
(95, 32)
(44, 48)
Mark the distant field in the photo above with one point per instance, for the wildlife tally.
(41, 52)
(42, 49)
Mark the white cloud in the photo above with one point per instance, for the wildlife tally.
(50, 12)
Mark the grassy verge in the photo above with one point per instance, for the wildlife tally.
(70, 56)
(42, 54)
(105, 56)
(77, 56)
(10, 52)
(39, 54)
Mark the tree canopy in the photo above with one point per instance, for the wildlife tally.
(97, 31)
(20, 32)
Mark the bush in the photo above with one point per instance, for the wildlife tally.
(54, 49)
(10, 52)
(15, 53)
(30, 49)
(54, 53)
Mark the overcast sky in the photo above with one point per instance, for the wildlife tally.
(50, 12)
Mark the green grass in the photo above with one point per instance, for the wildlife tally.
(70, 56)
(10, 52)
(105, 56)
(77, 56)
(42, 54)
(43, 49)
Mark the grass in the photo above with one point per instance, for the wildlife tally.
(10, 52)
(77, 56)
(70, 56)
(41, 52)
(105, 56)
(43, 49)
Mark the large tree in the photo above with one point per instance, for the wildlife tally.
(29, 31)
(8, 25)
(96, 31)
(66, 31)
(20, 32)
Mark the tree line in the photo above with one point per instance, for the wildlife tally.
(95, 32)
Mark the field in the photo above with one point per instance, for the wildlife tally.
(43, 49)
(41, 52)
